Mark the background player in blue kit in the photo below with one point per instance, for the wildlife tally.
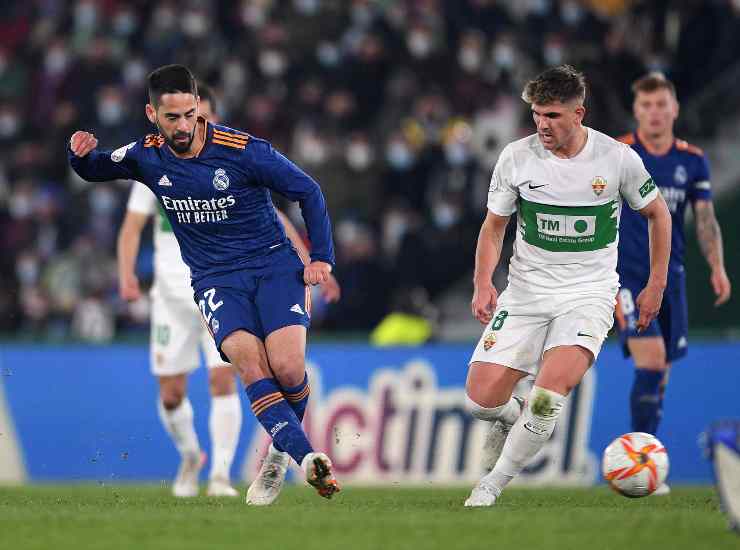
(213, 183)
(681, 172)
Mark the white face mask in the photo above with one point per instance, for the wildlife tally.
(86, 15)
(253, 15)
(102, 200)
(399, 156)
(272, 63)
(306, 7)
(56, 61)
(9, 125)
(134, 73)
(359, 156)
(456, 154)
(503, 55)
(361, 15)
(470, 59)
(124, 23)
(20, 205)
(553, 54)
(110, 112)
(311, 149)
(419, 44)
(27, 270)
(394, 228)
(234, 75)
(328, 54)
(164, 19)
(571, 13)
(445, 215)
(195, 24)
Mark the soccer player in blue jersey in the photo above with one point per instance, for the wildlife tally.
(682, 173)
(213, 183)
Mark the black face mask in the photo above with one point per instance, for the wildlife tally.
(178, 147)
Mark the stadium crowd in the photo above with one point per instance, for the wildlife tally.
(398, 108)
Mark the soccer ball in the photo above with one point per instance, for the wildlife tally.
(635, 464)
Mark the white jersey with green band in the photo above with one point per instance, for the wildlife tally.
(568, 212)
(171, 275)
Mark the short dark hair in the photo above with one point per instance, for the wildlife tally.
(562, 83)
(170, 79)
(651, 82)
(206, 94)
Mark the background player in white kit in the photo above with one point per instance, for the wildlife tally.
(177, 331)
(566, 182)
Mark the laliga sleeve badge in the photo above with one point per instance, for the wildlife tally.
(221, 180)
(118, 154)
(215, 325)
(489, 340)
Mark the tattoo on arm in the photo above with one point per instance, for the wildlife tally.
(708, 233)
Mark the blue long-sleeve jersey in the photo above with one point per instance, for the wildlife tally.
(218, 201)
(682, 175)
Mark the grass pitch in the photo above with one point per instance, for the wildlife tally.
(141, 517)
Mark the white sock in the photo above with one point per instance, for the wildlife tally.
(224, 423)
(528, 435)
(179, 424)
(507, 413)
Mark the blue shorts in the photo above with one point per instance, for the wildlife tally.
(672, 322)
(258, 300)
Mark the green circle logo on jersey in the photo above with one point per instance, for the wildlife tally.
(580, 226)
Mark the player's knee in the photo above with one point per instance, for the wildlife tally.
(171, 398)
(289, 368)
(221, 381)
(480, 411)
(172, 391)
(543, 409)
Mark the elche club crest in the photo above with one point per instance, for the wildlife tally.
(220, 180)
(598, 184)
(489, 340)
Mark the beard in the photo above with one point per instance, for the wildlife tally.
(183, 145)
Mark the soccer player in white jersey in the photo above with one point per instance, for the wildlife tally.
(177, 331)
(566, 183)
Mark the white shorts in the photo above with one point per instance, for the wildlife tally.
(525, 326)
(177, 330)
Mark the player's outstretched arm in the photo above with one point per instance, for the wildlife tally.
(330, 290)
(709, 236)
(659, 232)
(129, 239)
(277, 172)
(487, 254)
(93, 165)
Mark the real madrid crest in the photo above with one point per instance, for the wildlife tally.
(489, 340)
(220, 179)
(680, 176)
(598, 184)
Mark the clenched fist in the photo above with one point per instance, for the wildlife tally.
(82, 143)
(316, 273)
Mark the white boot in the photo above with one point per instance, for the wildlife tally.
(266, 487)
(186, 482)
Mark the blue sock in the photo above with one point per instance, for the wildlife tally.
(646, 401)
(297, 398)
(278, 418)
